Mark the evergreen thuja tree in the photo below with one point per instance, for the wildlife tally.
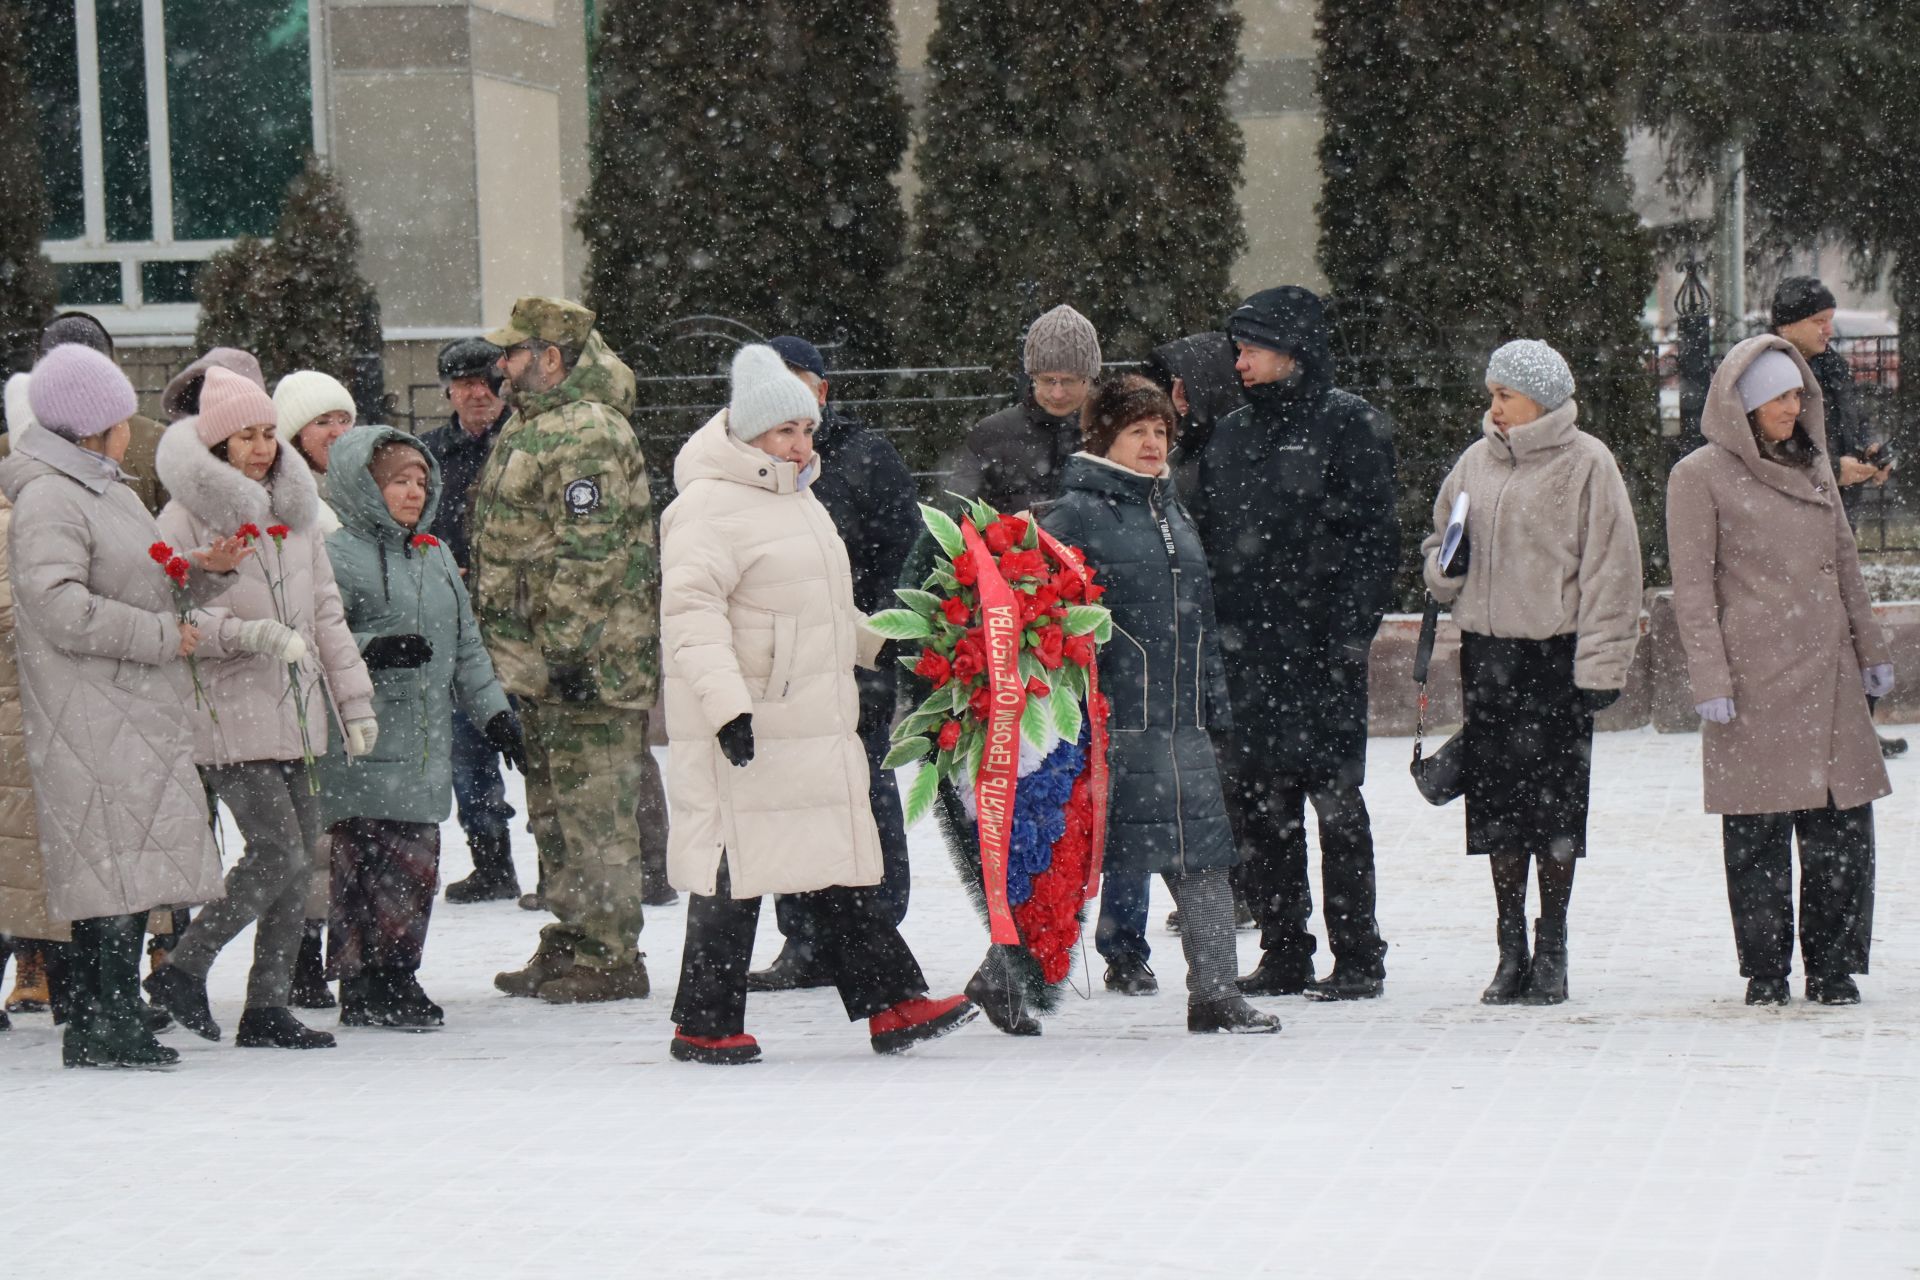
(1474, 191)
(26, 278)
(1095, 163)
(299, 301)
(699, 192)
(846, 106)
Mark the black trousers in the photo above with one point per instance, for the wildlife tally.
(871, 964)
(1836, 889)
(1270, 825)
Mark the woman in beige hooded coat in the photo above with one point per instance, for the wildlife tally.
(766, 776)
(1782, 653)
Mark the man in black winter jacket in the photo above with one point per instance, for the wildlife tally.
(1295, 499)
(866, 487)
(1012, 458)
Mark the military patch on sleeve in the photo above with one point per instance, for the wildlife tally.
(583, 497)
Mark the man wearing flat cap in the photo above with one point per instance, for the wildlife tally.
(565, 579)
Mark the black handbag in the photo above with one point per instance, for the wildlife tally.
(1442, 776)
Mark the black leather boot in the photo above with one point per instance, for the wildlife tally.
(493, 878)
(997, 991)
(1547, 979)
(310, 990)
(1510, 979)
(268, 1028)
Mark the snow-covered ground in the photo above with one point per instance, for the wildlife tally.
(1653, 1126)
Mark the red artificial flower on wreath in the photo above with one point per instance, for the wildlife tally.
(278, 531)
(1015, 565)
(981, 702)
(177, 568)
(956, 611)
(1079, 650)
(161, 553)
(933, 667)
(964, 571)
(1051, 648)
(949, 735)
(421, 540)
(1004, 534)
(969, 658)
(249, 531)
(1035, 689)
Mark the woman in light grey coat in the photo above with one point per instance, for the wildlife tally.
(107, 700)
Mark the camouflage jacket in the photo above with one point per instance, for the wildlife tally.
(565, 565)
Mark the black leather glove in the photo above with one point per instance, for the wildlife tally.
(1461, 555)
(572, 684)
(503, 735)
(396, 653)
(1598, 700)
(736, 740)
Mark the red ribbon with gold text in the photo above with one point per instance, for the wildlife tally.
(1000, 762)
(1096, 720)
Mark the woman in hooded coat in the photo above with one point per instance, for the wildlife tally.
(278, 624)
(1782, 654)
(411, 618)
(767, 778)
(105, 700)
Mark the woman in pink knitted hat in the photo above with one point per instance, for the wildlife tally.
(278, 626)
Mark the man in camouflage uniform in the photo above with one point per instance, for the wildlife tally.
(565, 579)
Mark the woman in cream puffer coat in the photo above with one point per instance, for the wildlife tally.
(766, 779)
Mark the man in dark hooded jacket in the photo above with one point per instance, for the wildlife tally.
(866, 487)
(1294, 496)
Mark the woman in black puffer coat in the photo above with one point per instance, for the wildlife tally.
(1165, 677)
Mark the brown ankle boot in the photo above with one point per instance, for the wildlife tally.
(584, 984)
(29, 983)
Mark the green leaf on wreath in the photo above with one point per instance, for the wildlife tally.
(906, 752)
(957, 695)
(943, 764)
(976, 750)
(942, 577)
(982, 515)
(1036, 720)
(924, 603)
(944, 530)
(900, 624)
(1103, 632)
(920, 793)
(1082, 618)
(1066, 715)
(909, 662)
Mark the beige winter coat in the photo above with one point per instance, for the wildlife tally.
(757, 615)
(1772, 612)
(250, 691)
(1554, 549)
(23, 881)
(106, 701)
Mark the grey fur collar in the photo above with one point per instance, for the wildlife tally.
(220, 496)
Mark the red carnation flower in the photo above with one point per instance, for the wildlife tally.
(969, 659)
(949, 735)
(956, 611)
(1035, 689)
(1079, 650)
(249, 531)
(161, 553)
(1004, 534)
(425, 540)
(1016, 565)
(278, 531)
(933, 667)
(980, 703)
(1051, 647)
(177, 568)
(964, 571)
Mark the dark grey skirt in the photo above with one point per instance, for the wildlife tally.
(1529, 747)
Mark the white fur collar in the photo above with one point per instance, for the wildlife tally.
(223, 498)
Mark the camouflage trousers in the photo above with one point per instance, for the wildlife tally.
(588, 770)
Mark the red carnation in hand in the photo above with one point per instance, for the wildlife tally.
(1004, 534)
(425, 540)
(980, 703)
(964, 571)
(278, 531)
(249, 531)
(1079, 650)
(161, 553)
(933, 667)
(1051, 648)
(949, 735)
(177, 568)
(1035, 689)
(956, 611)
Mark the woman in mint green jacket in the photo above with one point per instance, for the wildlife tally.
(409, 613)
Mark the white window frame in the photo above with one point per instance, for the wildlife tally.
(133, 319)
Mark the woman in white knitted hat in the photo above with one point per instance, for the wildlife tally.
(766, 776)
(1545, 587)
(313, 410)
(1782, 654)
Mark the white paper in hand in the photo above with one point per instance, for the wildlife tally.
(1456, 530)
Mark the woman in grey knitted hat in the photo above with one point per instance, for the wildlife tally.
(1545, 587)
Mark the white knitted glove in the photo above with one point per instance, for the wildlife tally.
(264, 635)
(361, 735)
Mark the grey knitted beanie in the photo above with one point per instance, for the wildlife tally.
(1535, 370)
(766, 393)
(1063, 341)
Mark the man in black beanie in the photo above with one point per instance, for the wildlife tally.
(1803, 310)
(1294, 496)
